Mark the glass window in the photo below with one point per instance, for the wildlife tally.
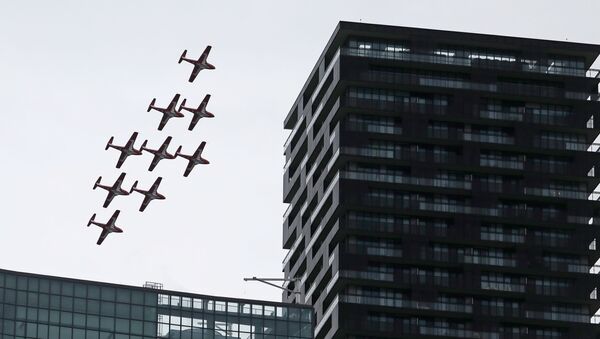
(67, 288)
(232, 307)
(32, 330)
(55, 302)
(123, 310)
(54, 287)
(80, 290)
(107, 324)
(306, 314)
(269, 311)
(44, 286)
(220, 306)
(43, 315)
(79, 305)
(294, 314)
(53, 333)
(44, 300)
(34, 284)
(42, 331)
(32, 314)
(107, 309)
(10, 296)
(150, 298)
(11, 281)
(93, 307)
(93, 292)
(198, 304)
(21, 298)
(93, 321)
(150, 313)
(79, 334)
(22, 283)
(66, 304)
(137, 297)
(90, 334)
(65, 333)
(137, 312)
(108, 293)
(32, 299)
(122, 325)
(137, 327)
(79, 320)
(123, 295)
(66, 318)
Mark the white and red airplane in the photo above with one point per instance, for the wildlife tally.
(150, 194)
(107, 228)
(160, 153)
(168, 113)
(113, 190)
(199, 112)
(126, 150)
(193, 160)
(199, 64)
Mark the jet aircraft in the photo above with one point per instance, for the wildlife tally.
(168, 113)
(107, 228)
(126, 150)
(193, 160)
(113, 190)
(160, 153)
(150, 194)
(199, 112)
(199, 64)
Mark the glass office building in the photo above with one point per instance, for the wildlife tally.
(443, 184)
(37, 306)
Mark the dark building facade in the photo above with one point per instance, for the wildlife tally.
(442, 184)
(44, 307)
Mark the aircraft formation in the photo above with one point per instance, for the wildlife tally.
(171, 111)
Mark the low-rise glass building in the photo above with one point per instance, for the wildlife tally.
(38, 306)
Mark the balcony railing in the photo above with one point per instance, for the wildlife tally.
(471, 62)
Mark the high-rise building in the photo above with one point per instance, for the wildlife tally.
(44, 307)
(442, 184)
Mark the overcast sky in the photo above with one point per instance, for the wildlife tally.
(74, 73)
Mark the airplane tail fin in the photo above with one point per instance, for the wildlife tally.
(178, 152)
(133, 187)
(91, 220)
(151, 104)
(182, 104)
(109, 143)
(182, 56)
(143, 145)
(97, 182)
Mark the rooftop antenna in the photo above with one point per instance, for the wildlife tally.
(268, 282)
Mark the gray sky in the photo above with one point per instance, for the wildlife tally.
(74, 73)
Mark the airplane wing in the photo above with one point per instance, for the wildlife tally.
(156, 183)
(200, 149)
(102, 237)
(114, 217)
(119, 181)
(205, 54)
(205, 101)
(173, 102)
(155, 161)
(165, 144)
(121, 159)
(195, 72)
(189, 168)
(109, 198)
(195, 119)
(145, 203)
(131, 140)
(163, 122)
